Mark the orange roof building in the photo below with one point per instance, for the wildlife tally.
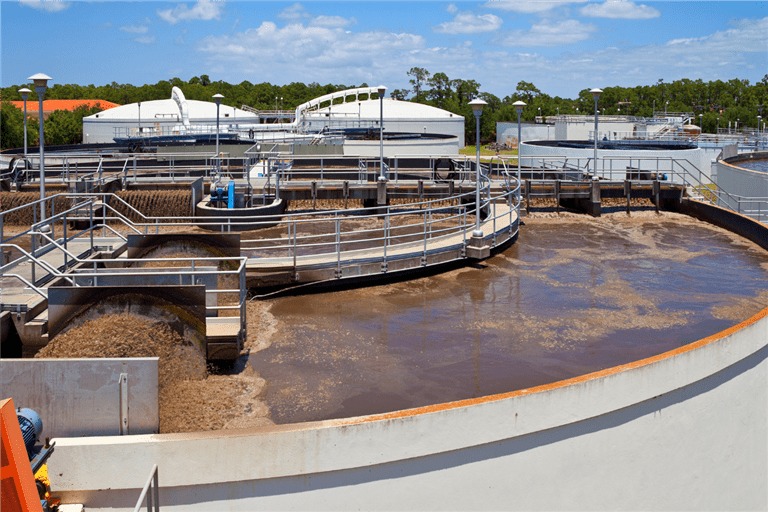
(52, 105)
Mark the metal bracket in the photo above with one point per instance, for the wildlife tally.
(123, 404)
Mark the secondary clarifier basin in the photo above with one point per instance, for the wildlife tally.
(572, 296)
(685, 429)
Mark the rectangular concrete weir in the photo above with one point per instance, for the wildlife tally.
(76, 397)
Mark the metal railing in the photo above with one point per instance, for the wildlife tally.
(362, 169)
(43, 240)
(151, 492)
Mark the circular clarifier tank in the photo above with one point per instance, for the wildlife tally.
(573, 295)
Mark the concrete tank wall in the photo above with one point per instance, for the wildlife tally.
(687, 429)
(612, 164)
(739, 181)
(76, 397)
(402, 147)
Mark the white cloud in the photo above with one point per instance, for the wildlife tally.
(294, 12)
(145, 40)
(46, 5)
(133, 29)
(620, 9)
(329, 55)
(203, 10)
(547, 34)
(332, 22)
(452, 8)
(527, 7)
(718, 56)
(468, 23)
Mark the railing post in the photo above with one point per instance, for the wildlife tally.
(91, 224)
(295, 243)
(386, 236)
(338, 246)
(33, 247)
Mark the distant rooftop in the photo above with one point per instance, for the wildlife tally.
(52, 105)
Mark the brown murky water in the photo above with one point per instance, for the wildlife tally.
(573, 295)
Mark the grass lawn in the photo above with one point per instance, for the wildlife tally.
(472, 151)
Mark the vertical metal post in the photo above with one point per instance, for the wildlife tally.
(295, 236)
(40, 92)
(123, 383)
(519, 112)
(338, 247)
(596, 94)
(24, 94)
(519, 108)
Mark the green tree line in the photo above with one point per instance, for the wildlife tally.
(734, 100)
(716, 101)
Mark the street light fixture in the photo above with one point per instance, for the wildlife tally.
(217, 97)
(701, 123)
(24, 94)
(381, 91)
(519, 108)
(41, 84)
(139, 104)
(596, 94)
(477, 109)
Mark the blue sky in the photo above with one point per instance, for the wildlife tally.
(561, 47)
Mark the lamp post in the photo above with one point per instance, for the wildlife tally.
(519, 108)
(596, 94)
(41, 84)
(477, 109)
(139, 104)
(718, 125)
(758, 125)
(381, 91)
(217, 97)
(653, 112)
(665, 108)
(701, 123)
(24, 94)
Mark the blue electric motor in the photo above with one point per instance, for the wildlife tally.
(31, 426)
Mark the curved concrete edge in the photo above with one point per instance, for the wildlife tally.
(728, 219)
(253, 454)
(260, 216)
